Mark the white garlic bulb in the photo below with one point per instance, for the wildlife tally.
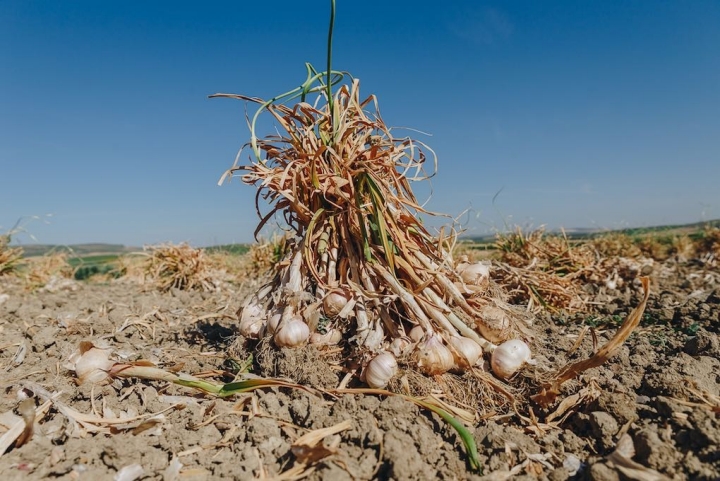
(334, 303)
(252, 322)
(433, 357)
(466, 349)
(91, 363)
(475, 274)
(292, 332)
(380, 370)
(330, 338)
(509, 357)
(494, 324)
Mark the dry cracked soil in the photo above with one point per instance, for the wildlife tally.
(655, 413)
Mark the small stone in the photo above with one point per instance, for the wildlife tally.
(604, 427)
(705, 343)
(603, 472)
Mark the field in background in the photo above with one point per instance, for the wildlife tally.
(92, 259)
(661, 234)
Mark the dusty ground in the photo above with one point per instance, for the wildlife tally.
(662, 389)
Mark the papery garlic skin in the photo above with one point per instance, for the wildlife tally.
(509, 357)
(433, 357)
(292, 332)
(380, 370)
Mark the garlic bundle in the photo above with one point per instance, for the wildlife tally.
(467, 351)
(433, 357)
(292, 332)
(380, 370)
(509, 357)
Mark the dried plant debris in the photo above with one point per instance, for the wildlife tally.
(180, 266)
(10, 257)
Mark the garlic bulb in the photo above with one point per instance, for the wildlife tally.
(330, 338)
(468, 351)
(417, 333)
(494, 324)
(334, 303)
(274, 320)
(380, 370)
(252, 322)
(401, 346)
(91, 364)
(475, 274)
(292, 332)
(433, 357)
(509, 357)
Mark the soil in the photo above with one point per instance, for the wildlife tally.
(658, 395)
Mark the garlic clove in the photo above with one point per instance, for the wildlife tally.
(380, 370)
(494, 324)
(433, 357)
(467, 352)
(509, 357)
(292, 333)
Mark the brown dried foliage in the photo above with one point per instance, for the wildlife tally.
(42, 269)
(9, 256)
(180, 266)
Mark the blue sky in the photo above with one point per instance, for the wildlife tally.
(581, 114)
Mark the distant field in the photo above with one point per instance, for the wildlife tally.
(91, 259)
(99, 253)
(77, 250)
(664, 231)
(96, 254)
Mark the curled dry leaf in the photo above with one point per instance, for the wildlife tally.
(18, 429)
(309, 449)
(620, 460)
(551, 389)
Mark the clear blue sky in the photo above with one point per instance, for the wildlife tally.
(584, 114)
